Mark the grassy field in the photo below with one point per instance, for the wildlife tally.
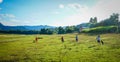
(20, 48)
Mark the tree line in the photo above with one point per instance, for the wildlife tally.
(109, 25)
(57, 30)
(113, 20)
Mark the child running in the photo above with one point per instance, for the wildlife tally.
(76, 38)
(98, 38)
(62, 39)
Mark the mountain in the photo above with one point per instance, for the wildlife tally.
(1, 25)
(24, 28)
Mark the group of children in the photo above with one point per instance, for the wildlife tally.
(76, 38)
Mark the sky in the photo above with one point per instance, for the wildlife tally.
(55, 12)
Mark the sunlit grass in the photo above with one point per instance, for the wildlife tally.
(21, 48)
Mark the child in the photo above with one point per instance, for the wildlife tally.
(98, 38)
(62, 39)
(76, 38)
(36, 39)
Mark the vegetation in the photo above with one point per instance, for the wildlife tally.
(93, 20)
(20, 48)
(113, 20)
(101, 29)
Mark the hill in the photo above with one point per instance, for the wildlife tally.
(23, 28)
(101, 29)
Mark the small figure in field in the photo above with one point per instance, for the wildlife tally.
(76, 38)
(98, 38)
(36, 39)
(62, 39)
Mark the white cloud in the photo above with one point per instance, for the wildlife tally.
(75, 6)
(15, 22)
(78, 7)
(1, 1)
(8, 19)
(7, 16)
(61, 6)
(11, 20)
(10, 15)
(102, 10)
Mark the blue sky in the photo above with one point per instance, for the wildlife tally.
(55, 12)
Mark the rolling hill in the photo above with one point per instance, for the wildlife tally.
(25, 28)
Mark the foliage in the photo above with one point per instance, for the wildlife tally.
(93, 20)
(46, 31)
(71, 29)
(101, 29)
(61, 30)
(112, 20)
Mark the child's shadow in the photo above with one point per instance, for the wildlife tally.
(92, 46)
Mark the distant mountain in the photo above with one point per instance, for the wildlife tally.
(25, 28)
(36, 28)
(1, 24)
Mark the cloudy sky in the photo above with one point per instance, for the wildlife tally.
(55, 12)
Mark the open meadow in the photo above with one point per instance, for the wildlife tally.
(20, 48)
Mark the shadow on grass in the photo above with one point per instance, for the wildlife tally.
(10, 60)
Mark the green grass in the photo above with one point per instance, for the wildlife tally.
(20, 48)
(101, 29)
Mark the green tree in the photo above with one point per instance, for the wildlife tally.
(91, 20)
(111, 21)
(69, 29)
(61, 30)
(49, 31)
(43, 31)
(95, 20)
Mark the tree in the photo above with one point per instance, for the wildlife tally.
(69, 29)
(43, 31)
(61, 30)
(114, 18)
(46, 31)
(95, 20)
(111, 21)
(91, 20)
(49, 31)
